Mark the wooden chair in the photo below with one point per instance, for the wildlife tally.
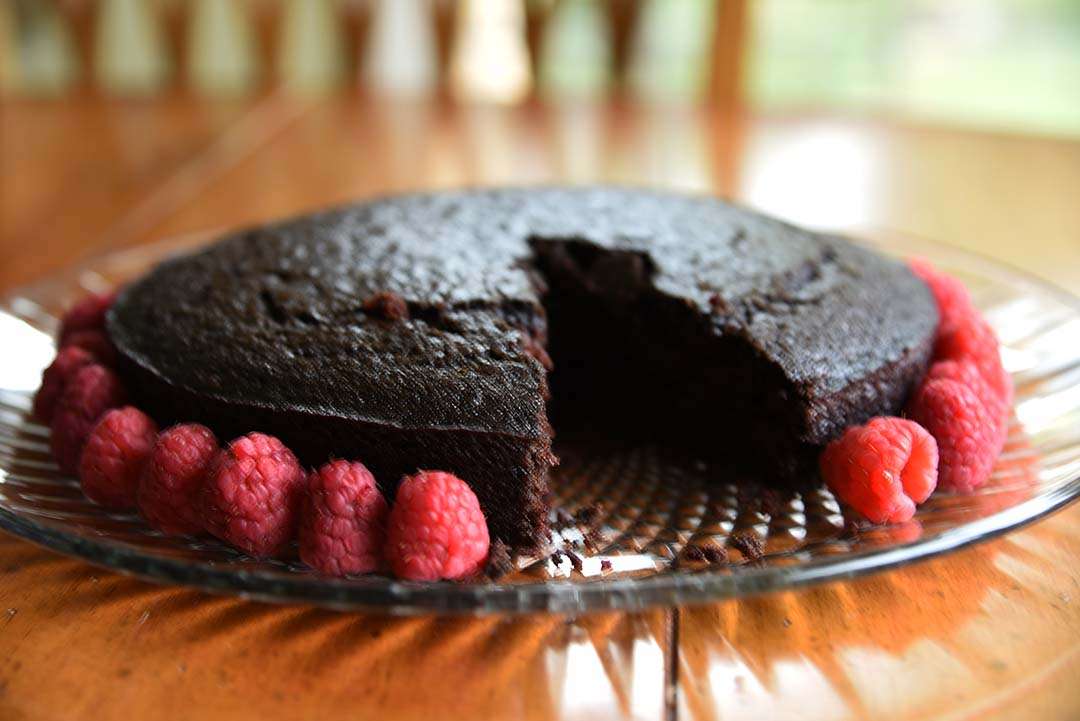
(479, 50)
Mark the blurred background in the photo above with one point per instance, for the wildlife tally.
(122, 121)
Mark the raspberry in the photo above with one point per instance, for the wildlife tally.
(94, 342)
(114, 455)
(169, 487)
(972, 339)
(252, 495)
(436, 529)
(93, 390)
(882, 469)
(343, 523)
(969, 437)
(87, 314)
(953, 300)
(55, 378)
(966, 373)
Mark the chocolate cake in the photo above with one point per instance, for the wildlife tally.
(419, 331)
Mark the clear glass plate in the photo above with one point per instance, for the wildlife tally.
(646, 508)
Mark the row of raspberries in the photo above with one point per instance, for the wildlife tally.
(956, 424)
(253, 493)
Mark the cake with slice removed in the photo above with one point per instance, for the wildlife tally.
(419, 331)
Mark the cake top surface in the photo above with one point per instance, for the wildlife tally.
(275, 316)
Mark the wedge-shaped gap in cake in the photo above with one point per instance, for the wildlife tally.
(633, 363)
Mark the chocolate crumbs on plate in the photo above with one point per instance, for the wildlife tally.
(587, 514)
(693, 553)
(855, 526)
(749, 545)
(715, 554)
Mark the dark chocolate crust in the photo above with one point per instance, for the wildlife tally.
(412, 332)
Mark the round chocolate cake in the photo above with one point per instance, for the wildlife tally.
(419, 332)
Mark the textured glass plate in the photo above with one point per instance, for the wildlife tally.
(648, 509)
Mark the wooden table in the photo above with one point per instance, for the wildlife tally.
(992, 632)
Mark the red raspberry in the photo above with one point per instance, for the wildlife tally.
(169, 487)
(968, 436)
(114, 455)
(94, 342)
(87, 314)
(93, 390)
(56, 376)
(343, 524)
(882, 469)
(953, 300)
(972, 339)
(966, 373)
(252, 496)
(437, 529)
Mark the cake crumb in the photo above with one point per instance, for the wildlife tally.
(715, 554)
(605, 565)
(387, 306)
(594, 539)
(749, 545)
(855, 526)
(575, 561)
(693, 553)
(587, 514)
(499, 562)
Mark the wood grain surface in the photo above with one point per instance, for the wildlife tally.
(991, 632)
